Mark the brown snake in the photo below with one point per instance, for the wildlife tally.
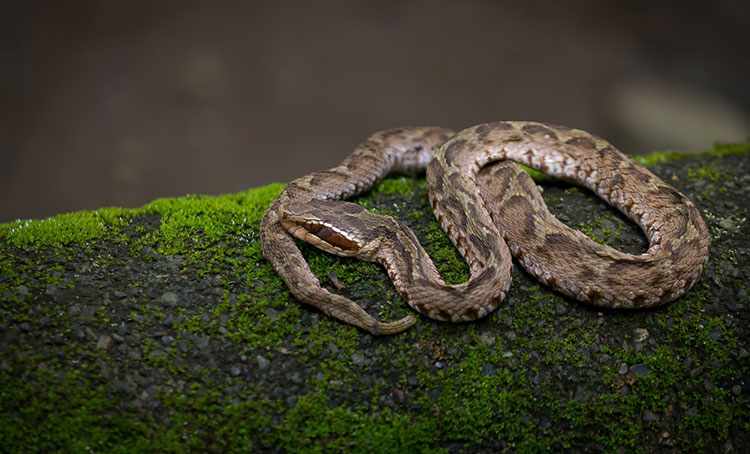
(481, 208)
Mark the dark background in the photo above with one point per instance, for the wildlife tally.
(105, 103)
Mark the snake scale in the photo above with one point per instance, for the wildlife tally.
(488, 212)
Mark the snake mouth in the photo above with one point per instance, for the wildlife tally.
(322, 235)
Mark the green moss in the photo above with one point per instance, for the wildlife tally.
(707, 172)
(399, 185)
(251, 204)
(312, 425)
(65, 229)
(719, 150)
(479, 395)
(324, 333)
(32, 419)
(535, 174)
(589, 229)
(203, 421)
(194, 223)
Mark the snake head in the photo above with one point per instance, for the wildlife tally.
(332, 226)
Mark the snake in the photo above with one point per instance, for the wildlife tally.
(492, 211)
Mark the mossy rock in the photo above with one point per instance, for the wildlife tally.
(163, 329)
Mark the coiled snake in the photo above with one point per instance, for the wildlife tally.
(481, 208)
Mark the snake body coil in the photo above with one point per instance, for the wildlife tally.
(481, 208)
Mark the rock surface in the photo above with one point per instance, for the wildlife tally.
(163, 329)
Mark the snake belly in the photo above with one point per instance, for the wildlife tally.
(311, 209)
(558, 256)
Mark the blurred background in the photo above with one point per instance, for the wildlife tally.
(117, 103)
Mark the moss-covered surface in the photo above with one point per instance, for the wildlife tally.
(162, 329)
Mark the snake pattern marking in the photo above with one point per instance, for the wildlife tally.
(481, 207)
